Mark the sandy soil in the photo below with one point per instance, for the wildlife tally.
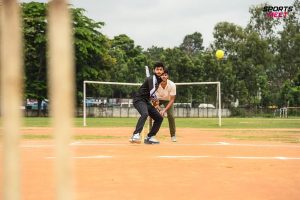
(201, 165)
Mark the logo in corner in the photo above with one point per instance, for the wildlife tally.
(277, 11)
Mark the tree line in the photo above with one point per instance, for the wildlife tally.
(261, 66)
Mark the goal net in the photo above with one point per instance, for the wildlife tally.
(114, 99)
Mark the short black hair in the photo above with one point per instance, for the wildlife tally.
(166, 71)
(159, 64)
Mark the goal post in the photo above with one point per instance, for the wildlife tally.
(103, 83)
(217, 83)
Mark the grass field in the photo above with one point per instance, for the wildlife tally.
(247, 129)
(232, 123)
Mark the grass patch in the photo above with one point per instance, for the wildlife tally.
(37, 122)
(36, 137)
(234, 123)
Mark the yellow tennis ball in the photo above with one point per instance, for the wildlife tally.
(219, 54)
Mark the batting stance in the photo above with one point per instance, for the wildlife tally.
(141, 101)
(166, 94)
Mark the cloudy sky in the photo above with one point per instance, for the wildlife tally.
(164, 23)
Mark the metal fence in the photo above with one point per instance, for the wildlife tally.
(118, 111)
(115, 111)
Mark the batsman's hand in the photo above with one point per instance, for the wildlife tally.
(162, 112)
(155, 103)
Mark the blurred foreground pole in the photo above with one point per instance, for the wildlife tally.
(61, 83)
(11, 95)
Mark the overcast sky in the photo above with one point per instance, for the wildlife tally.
(164, 23)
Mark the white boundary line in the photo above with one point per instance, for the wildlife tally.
(163, 144)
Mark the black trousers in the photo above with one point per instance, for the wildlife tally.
(146, 109)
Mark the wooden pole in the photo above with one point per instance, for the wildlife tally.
(11, 96)
(61, 82)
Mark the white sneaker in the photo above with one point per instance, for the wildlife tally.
(151, 140)
(173, 138)
(135, 138)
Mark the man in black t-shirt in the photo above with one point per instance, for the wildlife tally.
(142, 102)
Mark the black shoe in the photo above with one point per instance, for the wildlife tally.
(151, 140)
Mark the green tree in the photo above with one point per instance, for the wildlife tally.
(34, 25)
(247, 60)
(93, 61)
(255, 56)
(230, 38)
(290, 93)
(192, 44)
(264, 26)
(154, 54)
(130, 64)
(289, 46)
(280, 55)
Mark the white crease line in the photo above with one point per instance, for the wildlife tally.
(84, 157)
(240, 145)
(224, 144)
(75, 143)
(264, 158)
(102, 144)
(234, 157)
(195, 157)
(264, 145)
(184, 156)
(189, 144)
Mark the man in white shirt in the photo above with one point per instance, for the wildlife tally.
(166, 94)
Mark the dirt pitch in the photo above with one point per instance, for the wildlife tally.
(203, 164)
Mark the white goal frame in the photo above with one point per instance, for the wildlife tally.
(138, 84)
